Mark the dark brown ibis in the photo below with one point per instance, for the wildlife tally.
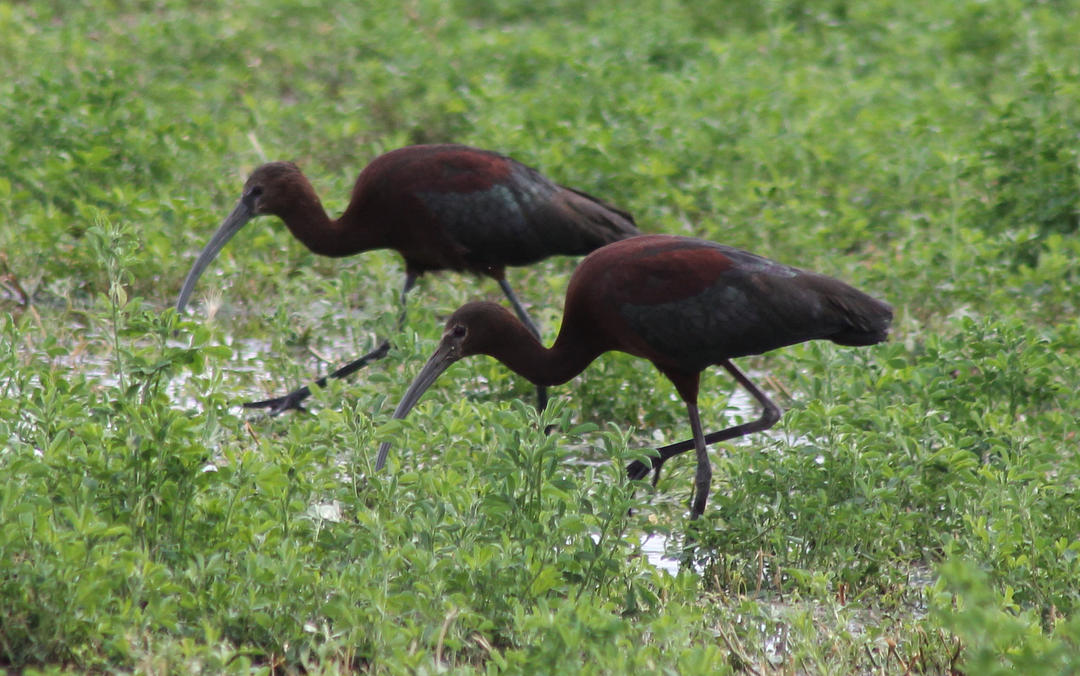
(684, 304)
(442, 207)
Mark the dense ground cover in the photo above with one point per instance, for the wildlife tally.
(916, 509)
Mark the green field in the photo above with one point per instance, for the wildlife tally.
(916, 510)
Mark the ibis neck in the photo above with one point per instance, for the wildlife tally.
(523, 354)
(310, 224)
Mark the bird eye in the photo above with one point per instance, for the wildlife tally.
(458, 331)
(255, 191)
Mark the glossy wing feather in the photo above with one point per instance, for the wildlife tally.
(595, 221)
(524, 218)
(686, 304)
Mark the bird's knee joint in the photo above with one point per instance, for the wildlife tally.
(771, 415)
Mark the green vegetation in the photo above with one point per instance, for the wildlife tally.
(916, 510)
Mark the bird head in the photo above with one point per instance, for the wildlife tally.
(269, 190)
(478, 328)
(472, 329)
(272, 187)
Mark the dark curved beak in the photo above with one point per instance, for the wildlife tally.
(439, 362)
(240, 215)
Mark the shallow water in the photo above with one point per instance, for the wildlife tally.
(250, 357)
(652, 546)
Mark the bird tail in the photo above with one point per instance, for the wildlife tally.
(612, 223)
(866, 320)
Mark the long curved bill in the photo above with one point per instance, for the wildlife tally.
(240, 215)
(439, 362)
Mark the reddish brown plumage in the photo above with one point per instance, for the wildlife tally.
(684, 304)
(442, 207)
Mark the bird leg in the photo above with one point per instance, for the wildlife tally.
(703, 478)
(410, 282)
(292, 400)
(541, 392)
(769, 415)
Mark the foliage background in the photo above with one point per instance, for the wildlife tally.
(916, 509)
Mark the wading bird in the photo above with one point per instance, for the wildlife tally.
(684, 304)
(442, 207)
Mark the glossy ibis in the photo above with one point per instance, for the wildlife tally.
(442, 207)
(683, 304)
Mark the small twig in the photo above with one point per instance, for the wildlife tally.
(892, 652)
(779, 582)
(318, 355)
(11, 282)
(954, 659)
(37, 318)
(251, 431)
(870, 656)
(78, 349)
(744, 659)
(775, 382)
(760, 571)
(257, 146)
(442, 635)
(483, 643)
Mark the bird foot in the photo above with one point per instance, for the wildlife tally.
(279, 405)
(637, 470)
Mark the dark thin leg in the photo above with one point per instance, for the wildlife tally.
(703, 478)
(410, 282)
(541, 392)
(291, 401)
(769, 415)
